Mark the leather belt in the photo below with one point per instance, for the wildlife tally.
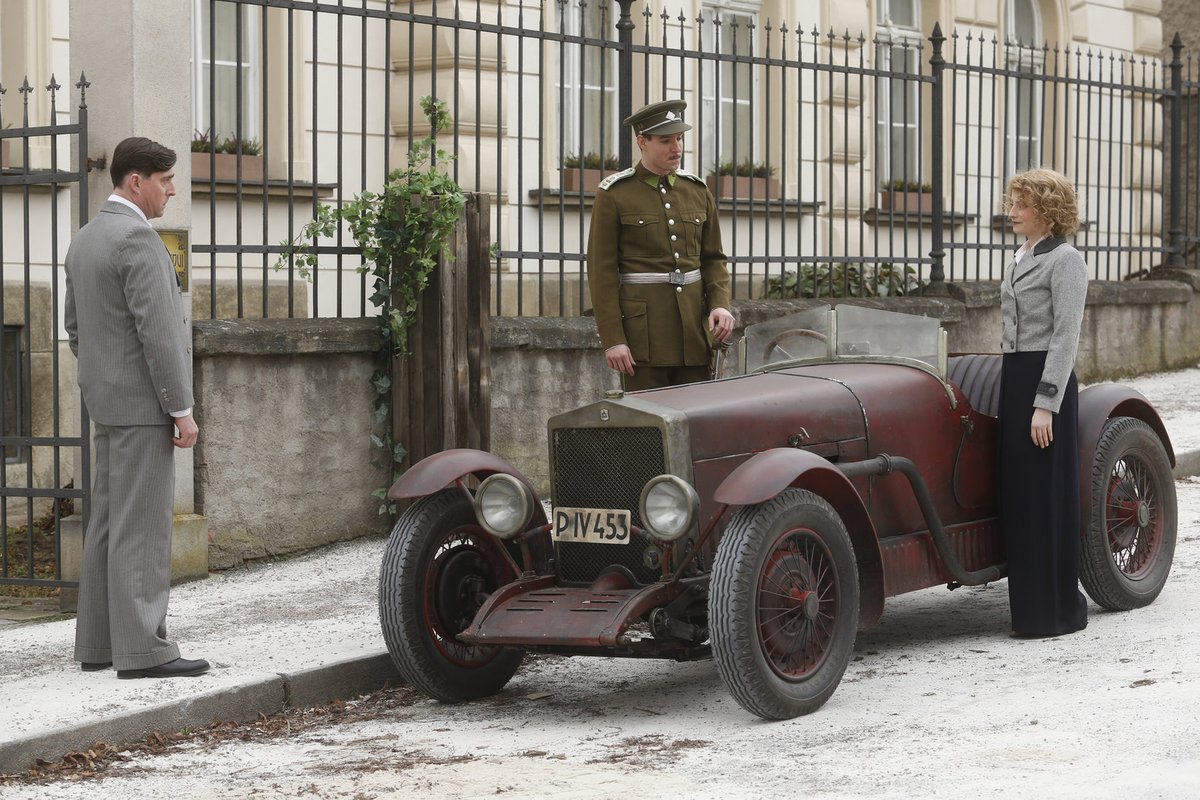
(673, 278)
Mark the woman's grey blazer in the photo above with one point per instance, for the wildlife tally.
(1041, 305)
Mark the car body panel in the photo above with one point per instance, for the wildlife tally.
(741, 441)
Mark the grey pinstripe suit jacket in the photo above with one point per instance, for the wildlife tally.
(125, 322)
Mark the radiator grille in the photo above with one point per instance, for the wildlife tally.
(604, 468)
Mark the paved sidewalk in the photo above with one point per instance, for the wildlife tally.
(291, 633)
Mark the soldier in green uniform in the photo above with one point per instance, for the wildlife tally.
(655, 263)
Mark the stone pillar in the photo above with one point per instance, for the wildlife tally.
(134, 53)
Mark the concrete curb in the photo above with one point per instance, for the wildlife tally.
(268, 694)
(1187, 464)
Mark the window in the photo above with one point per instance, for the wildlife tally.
(727, 89)
(897, 109)
(224, 25)
(15, 411)
(1023, 144)
(587, 81)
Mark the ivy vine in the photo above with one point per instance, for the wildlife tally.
(401, 230)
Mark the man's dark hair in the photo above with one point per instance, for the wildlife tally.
(141, 155)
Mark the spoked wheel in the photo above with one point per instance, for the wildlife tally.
(783, 605)
(438, 568)
(775, 349)
(1126, 554)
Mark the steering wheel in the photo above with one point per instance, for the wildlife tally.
(791, 333)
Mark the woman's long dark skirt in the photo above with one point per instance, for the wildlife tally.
(1039, 504)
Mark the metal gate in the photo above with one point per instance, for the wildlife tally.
(41, 448)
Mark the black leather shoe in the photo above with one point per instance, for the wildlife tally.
(179, 668)
(95, 666)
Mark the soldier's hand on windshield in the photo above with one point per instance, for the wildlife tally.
(720, 322)
(1040, 429)
(619, 359)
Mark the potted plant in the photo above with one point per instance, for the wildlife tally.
(743, 180)
(906, 197)
(584, 173)
(215, 159)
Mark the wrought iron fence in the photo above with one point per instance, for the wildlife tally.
(841, 164)
(41, 450)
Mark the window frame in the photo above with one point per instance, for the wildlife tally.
(1023, 59)
(569, 86)
(720, 99)
(890, 38)
(250, 67)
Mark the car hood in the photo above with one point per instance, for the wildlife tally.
(752, 413)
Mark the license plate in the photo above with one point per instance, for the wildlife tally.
(591, 525)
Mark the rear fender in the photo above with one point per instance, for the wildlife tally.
(770, 472)
(442, 469)
(1097, 405)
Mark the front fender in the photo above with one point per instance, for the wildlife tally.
(1097, 405)
(770, 472)
(442, 469)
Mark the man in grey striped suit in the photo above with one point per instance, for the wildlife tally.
(124, 318)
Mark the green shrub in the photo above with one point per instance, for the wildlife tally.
(842, 280)
(591, 161)
(744, 169)
(901, 185)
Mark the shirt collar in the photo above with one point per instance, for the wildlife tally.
(651, 179)
(116, 198)
(1026, 249)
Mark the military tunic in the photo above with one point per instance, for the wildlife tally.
(643, 225)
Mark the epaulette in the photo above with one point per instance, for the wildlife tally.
(687, 174)
(616, 176)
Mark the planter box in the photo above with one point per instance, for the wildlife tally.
(742, 187)
(225, 168)
(575, 179)
(906, 202)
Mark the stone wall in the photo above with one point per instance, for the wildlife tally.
(285, 409)
(543, 366)
(285, 463)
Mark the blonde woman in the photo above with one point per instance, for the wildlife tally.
(1042, 304)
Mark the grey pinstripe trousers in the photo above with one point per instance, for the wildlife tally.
(126, 574)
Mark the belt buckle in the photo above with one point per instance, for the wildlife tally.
(675, 278)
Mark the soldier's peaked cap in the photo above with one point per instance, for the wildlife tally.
(659, 119)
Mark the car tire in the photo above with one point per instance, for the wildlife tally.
(438, 567)
(783, 654)
(1129, 543)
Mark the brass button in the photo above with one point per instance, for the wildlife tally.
(678, 289)
(673, 237)
(670, 222)
(666, 205)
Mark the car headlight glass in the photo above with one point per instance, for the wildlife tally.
(669, 507)
(503, 505)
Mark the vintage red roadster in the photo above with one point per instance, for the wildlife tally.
(759, 520)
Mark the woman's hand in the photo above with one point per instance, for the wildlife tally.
(1041, 428)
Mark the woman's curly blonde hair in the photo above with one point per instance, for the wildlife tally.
(1051, 197)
